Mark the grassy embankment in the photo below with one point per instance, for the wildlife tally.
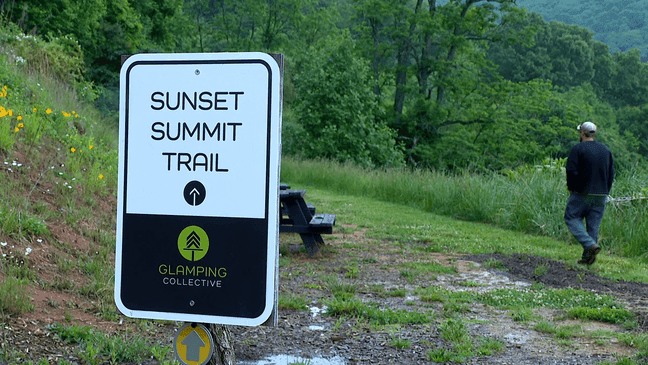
(48, 128)
(530, 200)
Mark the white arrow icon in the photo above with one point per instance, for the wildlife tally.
(194, 193)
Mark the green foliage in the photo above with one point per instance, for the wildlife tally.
(564, 54)
(419, 79)
(616, 22)
(336, 109)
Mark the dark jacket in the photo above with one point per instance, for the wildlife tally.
(590, 169)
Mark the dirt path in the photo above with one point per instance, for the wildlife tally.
(312, 334)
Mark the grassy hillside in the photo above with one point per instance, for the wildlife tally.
(530, 199)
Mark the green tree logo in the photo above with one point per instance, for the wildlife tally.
(193, 243)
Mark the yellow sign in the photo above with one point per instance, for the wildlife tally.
(193, 243)
(193, 344)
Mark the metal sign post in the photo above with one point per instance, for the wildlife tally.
(199, 155)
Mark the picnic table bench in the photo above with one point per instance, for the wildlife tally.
(297, 216)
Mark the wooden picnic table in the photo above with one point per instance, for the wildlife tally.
(299, 217)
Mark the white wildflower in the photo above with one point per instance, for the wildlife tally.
(28, 250)
(3, 244)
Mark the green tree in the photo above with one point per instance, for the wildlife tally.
(336, 110)
(434, 54)
(630, 85)
(248, 25)
(164, 24)
(565, 54)
(621, 24)
(633, 125)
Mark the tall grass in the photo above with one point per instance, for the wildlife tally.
(530, 200)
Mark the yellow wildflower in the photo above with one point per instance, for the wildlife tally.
(16, 130)
(101, 176)
(19, 118)
(35, 110)
(48, 110)
(3, 112)
(91, 146)
(10, 112)
(73, 149)
(20, 125)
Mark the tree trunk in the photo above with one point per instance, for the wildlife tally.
(223, 345)
(401, 80)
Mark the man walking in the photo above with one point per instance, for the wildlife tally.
(590, 172)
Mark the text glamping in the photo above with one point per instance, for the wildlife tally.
(200, 131)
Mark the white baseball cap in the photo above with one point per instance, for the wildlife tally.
(588, 127)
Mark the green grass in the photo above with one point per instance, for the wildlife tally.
(373, 313)
(400, 343)
(291, 301)
(528, 200)
(427, 232)
(96, 348)
(14, 296)
(601, 314)
(461, 344)
(551, 298)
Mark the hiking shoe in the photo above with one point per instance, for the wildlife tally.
(589, 256)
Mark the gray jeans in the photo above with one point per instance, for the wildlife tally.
(587, 207)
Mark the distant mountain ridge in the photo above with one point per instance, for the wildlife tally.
(621, 24)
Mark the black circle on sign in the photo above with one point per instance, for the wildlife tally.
(194, 193)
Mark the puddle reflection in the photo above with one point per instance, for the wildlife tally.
(289, 359)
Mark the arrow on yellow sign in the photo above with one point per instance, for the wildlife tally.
(193, 344)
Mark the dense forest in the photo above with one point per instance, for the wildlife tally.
(621, 24)
(483, 84)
